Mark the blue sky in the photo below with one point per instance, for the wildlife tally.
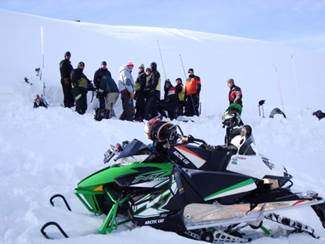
(298, 22)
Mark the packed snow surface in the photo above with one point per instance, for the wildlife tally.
(48, 151)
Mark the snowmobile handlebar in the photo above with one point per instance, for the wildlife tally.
(191, 139)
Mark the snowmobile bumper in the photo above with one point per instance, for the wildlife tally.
(110, 223)
(90, 200)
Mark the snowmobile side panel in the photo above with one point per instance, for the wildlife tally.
(109, 175)
(212, 185)
(241, 187)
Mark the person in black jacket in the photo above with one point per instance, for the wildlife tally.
(235, 94)
(152, 91)
(65, 71)
(80, 84)
(101, 77)
(170, 100)
(106, 91)
(139, 96)
(180, 91)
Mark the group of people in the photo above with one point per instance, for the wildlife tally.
(141, 98)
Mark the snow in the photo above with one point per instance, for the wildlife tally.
(47, 151)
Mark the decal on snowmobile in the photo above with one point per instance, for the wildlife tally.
(192, 156)
(181, 157)
(268, 163)
(150, 177)
(244, 186)
(152, 205)
(254, 166)
(154, 221)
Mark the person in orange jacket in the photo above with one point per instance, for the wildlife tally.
(192, 94)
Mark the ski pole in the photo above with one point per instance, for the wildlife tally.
(182, 64)
(279, 87)
(43, 58)
(161, 58)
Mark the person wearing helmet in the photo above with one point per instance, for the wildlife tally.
(163, 135)
(152, 90)
(139, 95)
(80, 84)
(65, 71)
(126, 88)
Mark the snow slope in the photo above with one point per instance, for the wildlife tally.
(46, 151)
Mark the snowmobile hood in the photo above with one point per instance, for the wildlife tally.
(109, 175)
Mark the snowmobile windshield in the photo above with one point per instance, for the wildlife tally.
(133, 148)
(247, 148)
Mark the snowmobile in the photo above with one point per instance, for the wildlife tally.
(181, 184)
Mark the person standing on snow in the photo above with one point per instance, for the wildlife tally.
(139, 96)
(235, 94)
(192, 94)
(180, 91)
(170, 100)
(106, 92)
(80, 84)
(126, 87)
(65, 71)
(152, 90)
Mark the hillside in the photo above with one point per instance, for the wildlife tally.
(46, 151)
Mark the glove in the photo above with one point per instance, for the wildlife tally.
(190, 139)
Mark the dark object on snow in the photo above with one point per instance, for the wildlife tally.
(27, 81)
(261, 102)
(63, 198)
(54, 224)
(277, 111)
(40, 101)
(261, 108)
(101, 113)
(319, 114)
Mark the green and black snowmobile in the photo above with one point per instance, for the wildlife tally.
(181, 184)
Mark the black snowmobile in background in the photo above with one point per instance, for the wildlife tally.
(182, 184)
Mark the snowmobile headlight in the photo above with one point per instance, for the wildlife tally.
(274, 183)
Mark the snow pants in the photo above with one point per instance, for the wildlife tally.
(152, 106)
(192, 104)
(68, 99)
(110, 100)
(127, 105)
(81, 100)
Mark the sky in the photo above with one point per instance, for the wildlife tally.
(297, 22)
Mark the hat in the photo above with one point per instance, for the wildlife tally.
(153, 66)
(141, 66)
(67, 53)
(104, 63)
(81, 64)
(190, 70)
(130, 64)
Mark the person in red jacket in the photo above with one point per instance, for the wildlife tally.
(192, 94)
(235, 94)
